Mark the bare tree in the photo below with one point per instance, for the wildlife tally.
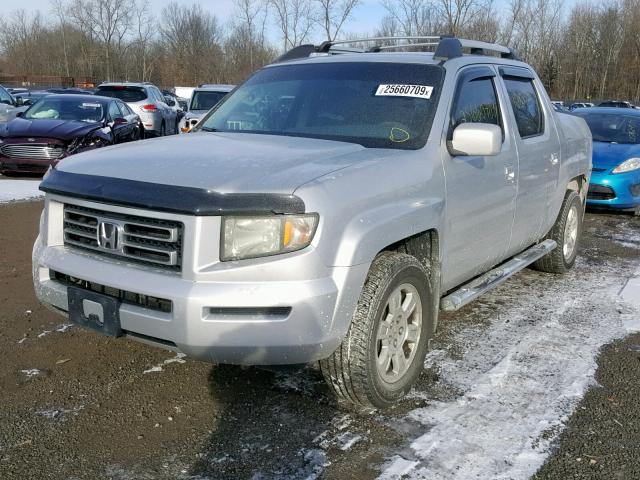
(59, 10)
(458, 13)
(333, 14)
(411, 17)
(144, 27)
(192, 41)
(294, 19)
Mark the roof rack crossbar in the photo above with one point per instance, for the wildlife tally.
(447, 47)
(406, 45)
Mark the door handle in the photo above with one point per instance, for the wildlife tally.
(509, 174)
(554, 159)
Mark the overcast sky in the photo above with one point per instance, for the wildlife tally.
(364, 19)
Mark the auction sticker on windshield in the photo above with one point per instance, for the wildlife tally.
(394, 90)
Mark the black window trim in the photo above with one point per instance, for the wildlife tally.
(521, 73)
(467, 75)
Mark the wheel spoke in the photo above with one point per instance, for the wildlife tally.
(399, 362)
(384, 358)
(409, 305)
(395, 302)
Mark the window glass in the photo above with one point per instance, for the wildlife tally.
(5, 97)
(124, 108)
(526, 106)
(205, 100)
(65, 108)
(613, 128)
(476, 102)
(114, 111)
(374, 104)
(127, 94)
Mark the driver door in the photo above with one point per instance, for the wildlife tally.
(480, 190)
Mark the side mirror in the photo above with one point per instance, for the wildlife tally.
(476, 139)
(170, 101)
(27, 102)
(19, 101)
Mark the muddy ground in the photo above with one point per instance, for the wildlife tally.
(76, 405)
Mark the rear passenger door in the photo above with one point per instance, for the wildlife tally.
(481, 190)
(538, 149)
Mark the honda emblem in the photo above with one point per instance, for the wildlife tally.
(108, 235)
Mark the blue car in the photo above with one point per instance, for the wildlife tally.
(615, 178)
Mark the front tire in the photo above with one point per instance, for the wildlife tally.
(566, 232)
(383, 352)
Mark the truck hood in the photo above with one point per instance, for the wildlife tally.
(221, 162)
(610, 155)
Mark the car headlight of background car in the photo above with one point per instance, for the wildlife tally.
(251, 237)
(628, 166)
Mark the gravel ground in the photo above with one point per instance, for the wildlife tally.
(76, 405)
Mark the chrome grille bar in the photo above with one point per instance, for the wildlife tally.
(37, 151)
(144, 240)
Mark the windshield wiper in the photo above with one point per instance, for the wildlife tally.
(207, 129)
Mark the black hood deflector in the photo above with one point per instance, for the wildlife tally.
(167, 198)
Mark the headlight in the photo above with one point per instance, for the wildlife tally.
(250, 237)
(628, 166)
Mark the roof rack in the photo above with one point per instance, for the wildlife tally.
(446, 47)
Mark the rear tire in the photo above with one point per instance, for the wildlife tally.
(566, 232)
(383, 352)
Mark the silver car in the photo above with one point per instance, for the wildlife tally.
(203, 99)
(327, 210)
(146, 100)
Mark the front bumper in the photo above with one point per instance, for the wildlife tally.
(26, 165)
(621, 190)
(283, 310)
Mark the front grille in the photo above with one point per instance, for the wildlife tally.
(35, 151)
(600, 192)
(138, 239)
(144, 301)
(598, 169)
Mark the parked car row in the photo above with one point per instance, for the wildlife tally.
(58, 125)
(560, 106)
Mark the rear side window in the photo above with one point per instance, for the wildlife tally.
(526, 106)
(476, 102)
(126, 94)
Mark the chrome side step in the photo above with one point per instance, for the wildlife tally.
(472, 290)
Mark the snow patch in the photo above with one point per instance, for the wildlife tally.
(631, 291)
(179, 358)
(31, 372)
(397, 467)
(519, 378)
(17, 190)
(60, 413)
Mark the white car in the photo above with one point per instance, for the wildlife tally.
(203, 99)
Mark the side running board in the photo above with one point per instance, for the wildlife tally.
(476, 287)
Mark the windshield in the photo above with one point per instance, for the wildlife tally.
(384, 105)
(126, 94)
(205, 100)
(65, 109)
(613, 128)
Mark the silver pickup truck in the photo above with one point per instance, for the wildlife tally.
(326, 211)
